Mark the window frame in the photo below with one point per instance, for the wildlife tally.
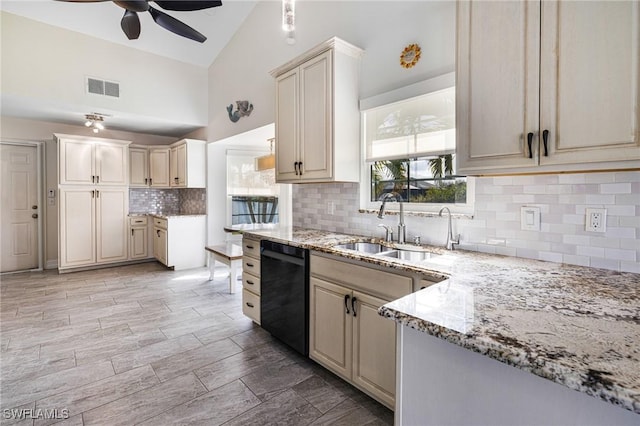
(418, 89)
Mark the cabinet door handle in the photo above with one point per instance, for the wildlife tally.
(150, 181)
(353, 305)
(300, 167)
(158, 233)
(93, 194)
(97, 179)
(175, 179)
(93, 179)
(145, 180)
(346, 303)
(545, 138)
(530, 143)
(132, 232)
(249, 304)
(295, 167)
(97, 194)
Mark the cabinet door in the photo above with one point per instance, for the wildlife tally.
(330, 326)
(138, 167)
(287, 126)
(77, 227)
(76, 162)
(181, 165)
(497, 99)
(159, 167)
(112, 164)
(138, 243)
(173, 166)
(160, 245)
(590, 91)
(316, 138)
(374, 349)
(111, 224)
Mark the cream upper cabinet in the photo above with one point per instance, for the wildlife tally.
(159, 167)
(187, 164)
(138, 166)
(317, 115)
(92, 161)
(547, 86)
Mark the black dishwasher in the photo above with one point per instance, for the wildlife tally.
(284, 293)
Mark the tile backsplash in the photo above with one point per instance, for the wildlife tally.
(495, 226)
(168, 201)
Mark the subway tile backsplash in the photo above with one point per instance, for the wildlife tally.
(495, 226)
(167, 201)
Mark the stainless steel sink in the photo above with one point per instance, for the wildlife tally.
(364, 247)
(413, 256)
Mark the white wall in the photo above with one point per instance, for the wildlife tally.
(14, 129)
(49, 64)
(381, 28)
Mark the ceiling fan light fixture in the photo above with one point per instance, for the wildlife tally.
(94, 122)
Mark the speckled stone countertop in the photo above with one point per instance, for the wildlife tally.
(574, 325)
(168, 216)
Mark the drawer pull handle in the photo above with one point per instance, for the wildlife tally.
(249, 247)
(353, 305)
(250, 304)
(250, 265)
(249, 282)
(346, 303)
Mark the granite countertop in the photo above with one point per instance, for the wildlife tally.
(574, 325)
(167, 216)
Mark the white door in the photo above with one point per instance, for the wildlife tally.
(316, 138)
(111, 224)
(20, 208)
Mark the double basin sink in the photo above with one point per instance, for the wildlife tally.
(386, 251)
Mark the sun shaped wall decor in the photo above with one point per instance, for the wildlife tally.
(410, 56)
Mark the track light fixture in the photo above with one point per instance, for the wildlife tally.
(94, 121)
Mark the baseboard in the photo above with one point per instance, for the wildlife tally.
(105, 265)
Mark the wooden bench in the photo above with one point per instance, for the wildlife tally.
(230, 254)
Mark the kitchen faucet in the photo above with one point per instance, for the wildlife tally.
(401, 227)
(450, 240)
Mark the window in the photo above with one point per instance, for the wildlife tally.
(253, 195)
(410, 147)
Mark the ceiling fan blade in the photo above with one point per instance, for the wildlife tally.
(187, 5)
(133, 5)
(130, 24)
(172, 24)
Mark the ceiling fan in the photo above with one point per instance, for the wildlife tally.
(130, 22)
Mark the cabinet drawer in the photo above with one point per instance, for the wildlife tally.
(160, 223)
(138, 221)
(251, 248)
(251, 305)
(251, 265)
(379, 283)
(251, 283)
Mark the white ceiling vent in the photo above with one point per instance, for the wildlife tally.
(103, 87)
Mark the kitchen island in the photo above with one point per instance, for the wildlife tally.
(576, 326)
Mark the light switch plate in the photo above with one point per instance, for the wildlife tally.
(530, 218)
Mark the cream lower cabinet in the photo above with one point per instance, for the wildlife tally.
(547, 86)
(138, 237)
(178, 241)
(92, 226)
(346, 335)
(251, 278)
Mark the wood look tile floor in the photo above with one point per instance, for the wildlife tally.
(141, 344)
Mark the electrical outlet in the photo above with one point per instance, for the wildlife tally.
(596, 220)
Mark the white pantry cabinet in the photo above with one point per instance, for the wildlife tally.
(317, 115)
(346, 334)
(187, 164)
(159, 167)
(547, 86)
(92, 226)
(92, 161)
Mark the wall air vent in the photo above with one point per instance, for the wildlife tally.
(103, 87)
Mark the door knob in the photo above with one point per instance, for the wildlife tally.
(35, 215)
(34, 207)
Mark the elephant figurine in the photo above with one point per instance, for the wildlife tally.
(244, 110)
